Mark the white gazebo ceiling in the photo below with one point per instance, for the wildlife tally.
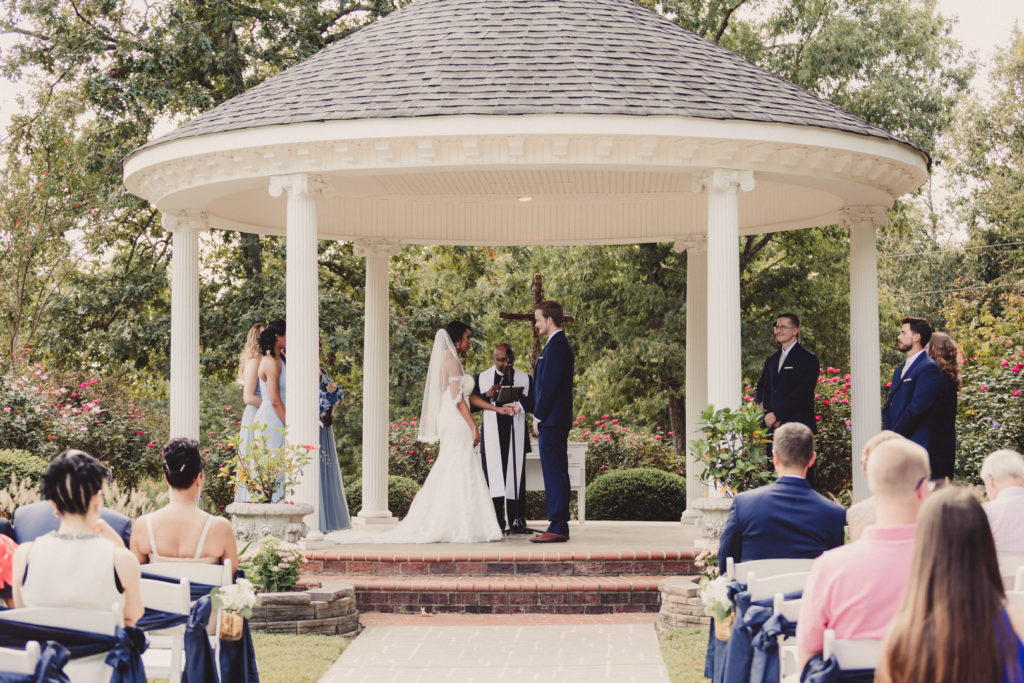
(430, 125)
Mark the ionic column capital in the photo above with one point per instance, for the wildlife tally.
(181, 221)
(851, 217)
(694, 243)
(304, 185)
(723, 179)
(364, 248)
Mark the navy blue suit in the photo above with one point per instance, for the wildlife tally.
(784, 519)
(35, 519)
(913, 408)
(552, 405)
(789, 392)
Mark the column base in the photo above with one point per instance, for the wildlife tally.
(691, 517)
(374, 518)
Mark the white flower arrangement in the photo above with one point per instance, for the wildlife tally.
(715, 597)
(273, 564)
(238, 598)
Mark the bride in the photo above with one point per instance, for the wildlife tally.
(454, 505)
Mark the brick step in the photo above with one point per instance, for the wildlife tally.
(507, 595)
(494, 563)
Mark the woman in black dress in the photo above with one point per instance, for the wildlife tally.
(942, 453)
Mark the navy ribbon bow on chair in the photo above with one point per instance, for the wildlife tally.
(819, 670)
(750, 617)
(765, 664)
(50, 668)
(124, 649)
(199, 664)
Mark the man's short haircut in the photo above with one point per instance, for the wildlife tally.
(919, 326)
(896, 467)
(507, 348)
(794, 444)
(550, 309)
(791, 317)
(1003, 463)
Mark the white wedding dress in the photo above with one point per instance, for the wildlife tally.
(454, 504)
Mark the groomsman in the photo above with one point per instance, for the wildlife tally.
(552, 417)
(910, 407)
(504, 439)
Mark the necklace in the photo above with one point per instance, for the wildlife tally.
(81, 536)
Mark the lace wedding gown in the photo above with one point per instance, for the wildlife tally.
(454, 505)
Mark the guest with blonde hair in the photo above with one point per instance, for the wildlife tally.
(954, 624)
(248, 375)
(862, 513)
(942, 448)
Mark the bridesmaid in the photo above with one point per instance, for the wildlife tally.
(333, 506)
(248, 370)
(270, 416)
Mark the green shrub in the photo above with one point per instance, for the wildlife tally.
(640, 494)
(612, 446)
(990, 412)
(401, 491)
(22, 464)
(408, 457)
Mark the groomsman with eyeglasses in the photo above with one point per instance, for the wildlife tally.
(788, 380)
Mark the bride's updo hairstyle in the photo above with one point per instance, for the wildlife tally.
(456, 329)
(71, 480)
(274, 329)
(182, 462)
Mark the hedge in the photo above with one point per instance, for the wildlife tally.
(640, 494)
(401, 491)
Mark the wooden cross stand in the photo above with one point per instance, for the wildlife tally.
(537, 289)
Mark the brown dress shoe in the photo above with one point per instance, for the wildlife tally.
(549, 537)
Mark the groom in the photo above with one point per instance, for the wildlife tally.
(552, 416)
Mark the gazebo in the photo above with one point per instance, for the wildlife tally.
(528, 122)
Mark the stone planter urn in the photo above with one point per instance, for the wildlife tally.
(253, 521)
(714, 512)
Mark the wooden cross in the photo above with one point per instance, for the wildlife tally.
(537, 289)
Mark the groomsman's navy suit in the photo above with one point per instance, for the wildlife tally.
(913, 410)
(552, 405)
(784, 519)
(789, 392)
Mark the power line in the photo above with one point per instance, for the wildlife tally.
(957, 289)
(974, 248)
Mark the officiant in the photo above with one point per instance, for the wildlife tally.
(504, 439)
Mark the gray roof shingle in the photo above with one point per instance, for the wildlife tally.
(494, 57)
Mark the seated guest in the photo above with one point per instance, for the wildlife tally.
(1003, 474)
(855, 589)
(35, 519)
(786, 518)
(180, 531)
(862, 514)
(84, 563)
(953, 624)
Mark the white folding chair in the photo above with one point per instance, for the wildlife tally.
(1008, 568)
(91, 669)
(197, 572)
(165, 655)
(1018, 583)
(852, 654)
(15, 661)
(789, 656)
(765, 568)
(762, 589)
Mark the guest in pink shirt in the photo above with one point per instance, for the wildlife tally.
(1003, 474)
(856, 589)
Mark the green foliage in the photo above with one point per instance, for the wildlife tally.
(612, 446)
(408, 457)
(833, 473)
(219, 452)
(733, 448)
(268, 471)
(641, 494)
(401, 491)
(22, 465)
(273, 565)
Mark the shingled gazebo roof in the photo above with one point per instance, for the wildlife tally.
(510, 57)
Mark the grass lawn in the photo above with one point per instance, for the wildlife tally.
(683, 650)
(285, 658)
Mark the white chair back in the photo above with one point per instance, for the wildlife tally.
(1008, 567)
(762, 589)
(86, 669)
(1018, 583)
(765, 568)
(1015, 597)
(17, 661)
(789, 656)
(165, 655)
(852, 654)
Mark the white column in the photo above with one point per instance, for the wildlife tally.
(376, 378)
(865, 378)
(724, 366)
(184, 394)
(302, 317)
(696, 360)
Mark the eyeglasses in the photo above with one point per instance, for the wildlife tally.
(931, 483)
(783, 327)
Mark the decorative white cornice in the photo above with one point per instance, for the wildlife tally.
(181, 221)
(298, 184)
(696, 243)
(723, 180)
(857, 217)
(364, 248)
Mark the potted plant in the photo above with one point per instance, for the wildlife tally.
(235, 602)
(271, 475)
(733, 454)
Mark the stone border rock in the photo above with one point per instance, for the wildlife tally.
(329, 610)
(680, 604)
